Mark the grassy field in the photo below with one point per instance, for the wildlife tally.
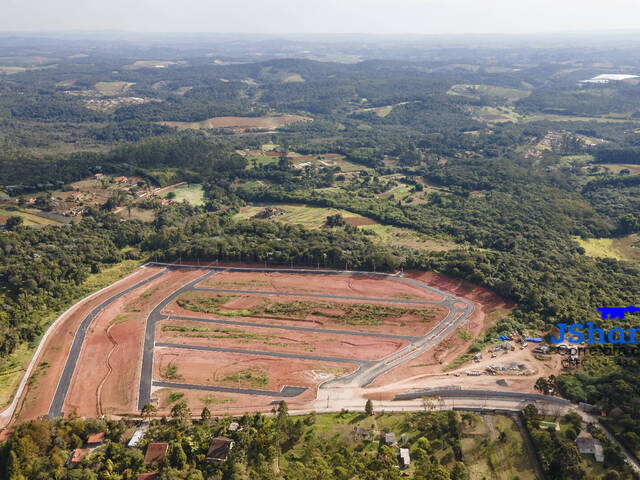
(13, 367)
(496, 115)
(395, 236)
(510, 94)
(623, 248)
(148, 64)
(615, 168)
(311, 217)
(314, 217)
(337, 428)
(112, 88)
(193, 194)
(486, 456)
(29, 219)
(142, 214)
(11, 70)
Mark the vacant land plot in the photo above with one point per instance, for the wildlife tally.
(230, 339)
(238, 370)
(240, 336)
(258, 123)
(112, 88)
(29, 217)
(616, 168)
(311, 217)
(353, 285)
(475, 91)
(390, 317)
(148, 64)
(192, 194)
(622, 248)
(492, 447)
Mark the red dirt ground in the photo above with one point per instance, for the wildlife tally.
(212, 368)
(344, 346)
(37, 397)
(488, 308)
(121, 376)
(406, 325)
(327, 284)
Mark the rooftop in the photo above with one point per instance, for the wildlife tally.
(156, 451)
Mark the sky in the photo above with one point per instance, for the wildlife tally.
(321, 16)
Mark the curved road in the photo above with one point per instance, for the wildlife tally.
(366, 373)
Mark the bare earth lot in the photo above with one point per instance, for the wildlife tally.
(235, 340)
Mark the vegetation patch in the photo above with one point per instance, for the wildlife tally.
(352, 314)
(254, 378)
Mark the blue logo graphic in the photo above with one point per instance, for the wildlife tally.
(575, 333)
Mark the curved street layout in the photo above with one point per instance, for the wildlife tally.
(459, 310)
(366, 372)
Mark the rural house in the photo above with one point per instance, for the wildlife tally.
(219, 449)
(405, 459)
(77, 455)
(390, 438)
(156, 451)
(95, 440)
(589, 445)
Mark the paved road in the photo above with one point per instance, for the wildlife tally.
(286, 392)
(55, 409)
(262, 353)
(481, 394)
(367, 371)
(296, 328)
(146, 369)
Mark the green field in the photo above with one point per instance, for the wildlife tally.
(496, 115)
(112, 88)
(311, 217)
(623, 248)
(29, 218)
(486, 456)
(193, 194)
(510, 94)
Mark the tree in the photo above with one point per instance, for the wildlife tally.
(368, 407)
(148, 411)
(14, 222)
(206, 414)
(180, 411)
(542, 385)
(178, 457)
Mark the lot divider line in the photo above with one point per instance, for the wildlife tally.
(286, 392)
(294, 328)
(262, 353)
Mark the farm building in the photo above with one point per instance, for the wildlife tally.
(156, 451)
(219, 449)
(589, 445)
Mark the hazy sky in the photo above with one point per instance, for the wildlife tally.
(321, 16)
